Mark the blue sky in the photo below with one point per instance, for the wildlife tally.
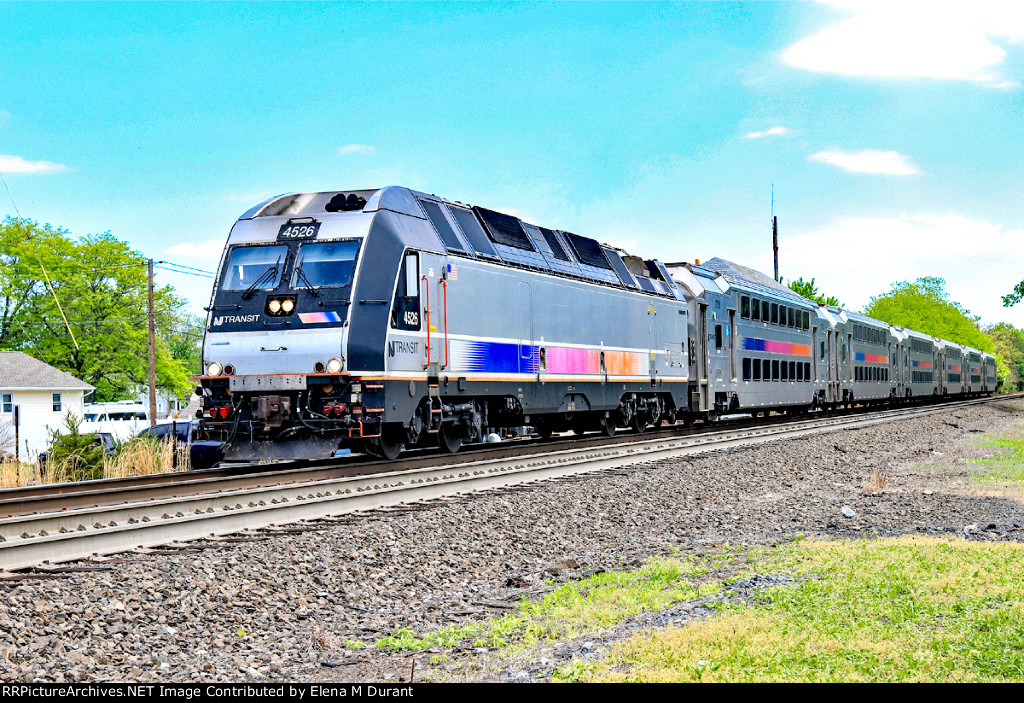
(892, 133)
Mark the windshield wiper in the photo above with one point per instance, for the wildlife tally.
(256, 284)
(315, 290)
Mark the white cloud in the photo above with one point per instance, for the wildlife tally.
(890, 163)
(356, 149)
(210, 248)
(937, 39)
(854, 258)
(16, 164)
(770, 132)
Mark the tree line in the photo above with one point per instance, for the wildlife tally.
(101, 284)
(924, 305)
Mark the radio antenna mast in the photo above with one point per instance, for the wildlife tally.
(775, 236)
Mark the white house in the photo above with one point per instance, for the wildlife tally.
(42, 395)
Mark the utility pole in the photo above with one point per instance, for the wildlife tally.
(775, 244)
(152, 351)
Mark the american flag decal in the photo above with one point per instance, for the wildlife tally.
(453, 272)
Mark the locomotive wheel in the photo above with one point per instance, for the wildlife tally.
(544, 431)
(389, 445)
(447, 439)
(639, 423)
(608, 425)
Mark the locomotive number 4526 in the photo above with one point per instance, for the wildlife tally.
(293, 231)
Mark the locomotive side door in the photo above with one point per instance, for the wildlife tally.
(443, 291)
(427, 294)
(652, 343)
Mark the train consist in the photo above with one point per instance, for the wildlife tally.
(384, 319)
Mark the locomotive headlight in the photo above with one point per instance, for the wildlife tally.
(274, 306)
(287, 305)
(213, 369)
(334, 365)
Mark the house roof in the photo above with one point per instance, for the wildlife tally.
(21, 372)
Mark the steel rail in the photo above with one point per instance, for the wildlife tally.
(69, 535)
(52, 497)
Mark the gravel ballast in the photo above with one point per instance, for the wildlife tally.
(265, 609)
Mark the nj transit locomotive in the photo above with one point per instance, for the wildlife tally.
(383, 319)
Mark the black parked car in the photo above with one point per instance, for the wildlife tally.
(203, 454)
(182, 430)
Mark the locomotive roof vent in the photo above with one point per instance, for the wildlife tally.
(345, 202)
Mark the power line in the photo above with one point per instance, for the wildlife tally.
(192, 268)
(10, 195)
(200, 274)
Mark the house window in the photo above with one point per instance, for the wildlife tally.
(8, 402)
(56, 402)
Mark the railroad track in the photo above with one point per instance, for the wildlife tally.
(157, 513)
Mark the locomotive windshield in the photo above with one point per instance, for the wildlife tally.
(255, 266)
(324, 264)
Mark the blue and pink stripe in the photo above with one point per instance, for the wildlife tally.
(773, 347)
(309, 318)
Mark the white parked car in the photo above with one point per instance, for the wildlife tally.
(123, 419)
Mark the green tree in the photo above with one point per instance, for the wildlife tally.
(74, 456)
(101, 284)
(23, 246)
(809, 290)
(1015, 296)
(1009, 345)
(925, 306)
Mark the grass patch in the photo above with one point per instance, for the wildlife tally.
(143, 456)
(15, 473)
(1005, 467)
(573, 609)
(887, 610)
